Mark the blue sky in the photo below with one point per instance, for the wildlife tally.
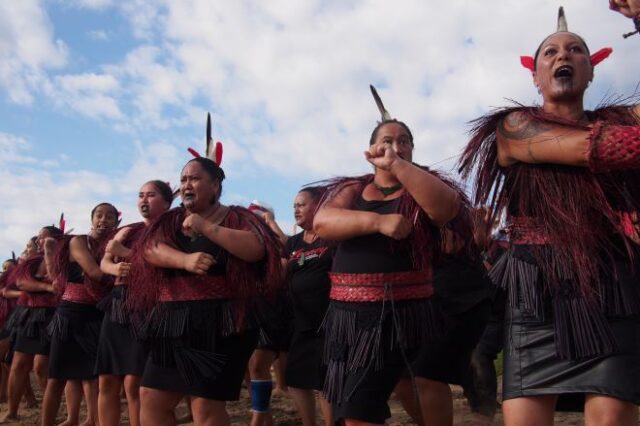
(99, 96)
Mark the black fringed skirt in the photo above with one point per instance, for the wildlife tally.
(74, 332)
(367, 347)
(120, 353)
(556, 343)
(194, 350)
(28, 329)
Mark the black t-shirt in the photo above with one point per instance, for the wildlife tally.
(373, 253)
(309, 285)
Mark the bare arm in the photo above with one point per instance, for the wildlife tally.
(11, 294)
(163, 256)
(33, 285)
(521, 139)
(79, 252)
(108, 264)
(273, 225)
(242, 244)
(335, 221)
(438, 200)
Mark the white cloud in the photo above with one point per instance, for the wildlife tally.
(290, 83)
(27, 49)
(91, 95)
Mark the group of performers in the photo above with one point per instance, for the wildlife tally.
(387, 290)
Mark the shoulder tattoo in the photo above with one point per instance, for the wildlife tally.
(517, 126)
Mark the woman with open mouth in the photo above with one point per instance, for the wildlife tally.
(196, 272)
(569, 183)
(75, 327)
(121, 356)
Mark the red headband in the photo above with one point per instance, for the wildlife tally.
(529, 63)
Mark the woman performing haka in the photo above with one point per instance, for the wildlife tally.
(75, 327)
(387, 225)
(199, 267)
(568, 180)
(121, 357)
(29, 321)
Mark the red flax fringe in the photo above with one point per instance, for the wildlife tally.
(248, 280)
(61, 265)
(577, 210)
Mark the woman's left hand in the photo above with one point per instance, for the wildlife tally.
(383, 157)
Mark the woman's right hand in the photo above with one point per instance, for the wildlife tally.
(198, 263)
(395, 226)
(49, 245)
(123, 269)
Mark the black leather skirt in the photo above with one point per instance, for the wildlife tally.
(532, 368)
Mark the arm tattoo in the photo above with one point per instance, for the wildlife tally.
(517, 126)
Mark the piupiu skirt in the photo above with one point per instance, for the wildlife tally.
(195, 351)
(367, 347)
(532, 368)
(120, 353)
(74, 332)
(28, 329)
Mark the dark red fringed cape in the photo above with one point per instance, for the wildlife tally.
(581, 214)
(8, 281)
(249, 280)
(61, 266)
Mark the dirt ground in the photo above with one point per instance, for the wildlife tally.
(285, 414)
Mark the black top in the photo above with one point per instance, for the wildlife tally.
(202, 244)
(373, 253)
(308, 278)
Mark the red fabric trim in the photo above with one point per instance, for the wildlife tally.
(525, 231)
(380, 286)
(195, 287)
(79, 293)
(37, 300)
(613, 147)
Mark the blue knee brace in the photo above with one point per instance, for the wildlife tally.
(260, 395)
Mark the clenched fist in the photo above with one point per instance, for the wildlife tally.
(395, 226)
(198, 263)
